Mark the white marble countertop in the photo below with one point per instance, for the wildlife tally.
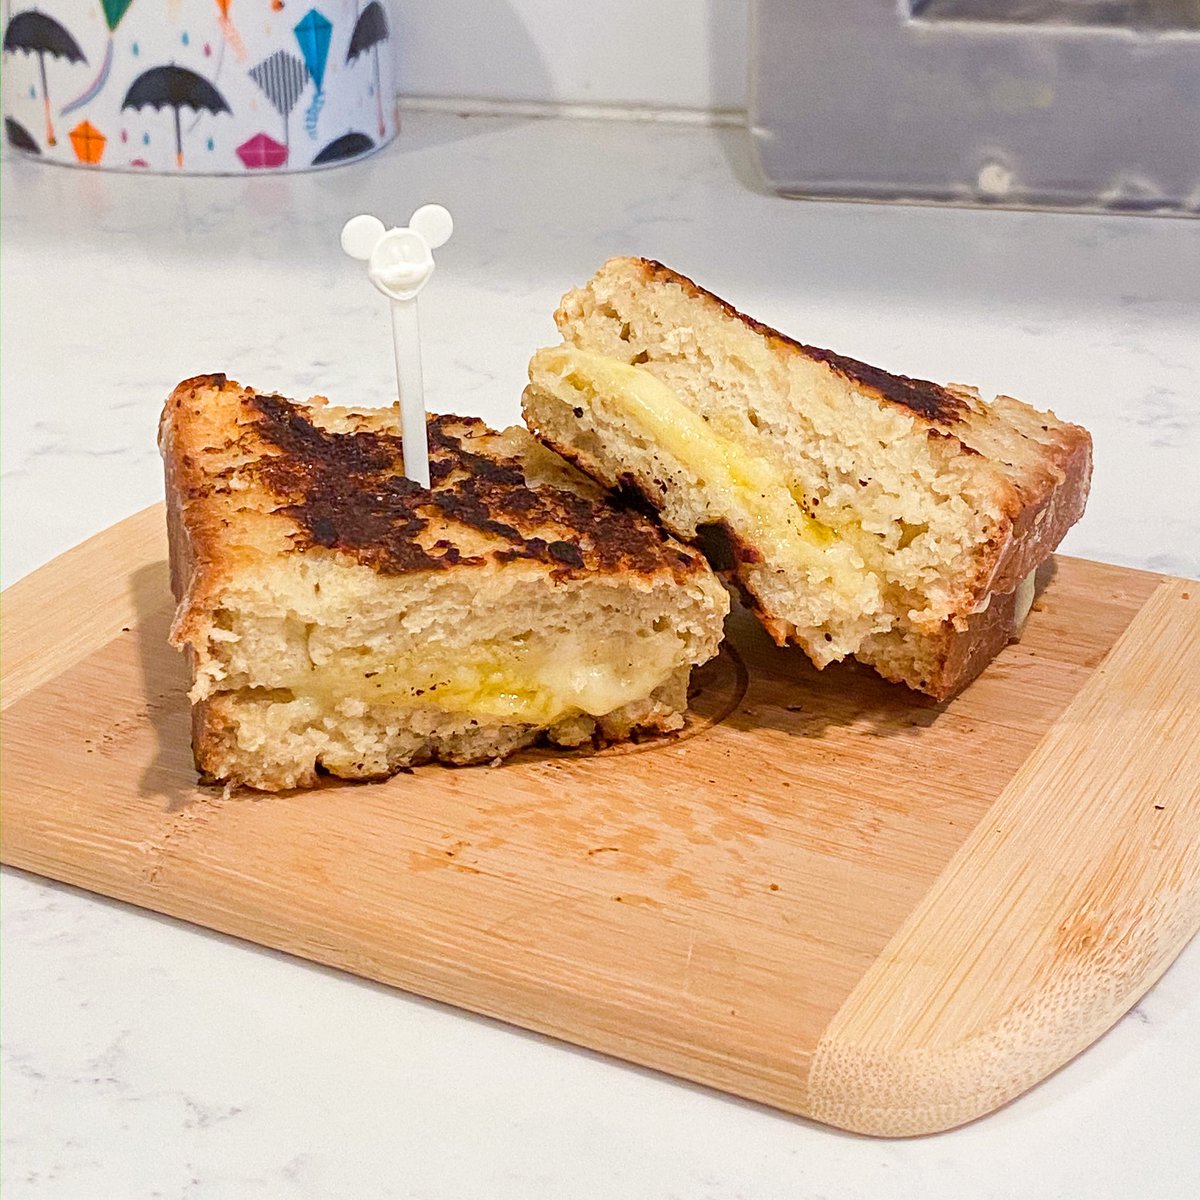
(146, 1058)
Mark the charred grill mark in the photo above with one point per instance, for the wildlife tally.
(919, 395)
(631, 495)
(347, 492)
(565, 553)
(723, 548)
(331, 456)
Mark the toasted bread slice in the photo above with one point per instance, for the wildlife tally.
(860, 513)
(339, 616)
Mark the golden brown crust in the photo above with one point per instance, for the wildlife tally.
(179, 441)
(951, 657)
(1042, 509)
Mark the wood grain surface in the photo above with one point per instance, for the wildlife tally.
(828, 894)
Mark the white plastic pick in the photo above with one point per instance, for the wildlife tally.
(400, 263)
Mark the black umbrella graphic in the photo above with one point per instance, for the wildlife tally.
(177, 88)
(349, 145)
(370, 29)
(282, 78)
(36, 33)
(19, 137)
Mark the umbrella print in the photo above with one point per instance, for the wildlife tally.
(88, 142)
(313, 32)
(282, 78)
(349, 145)
(114, 10)
(19, 137)
(370, 29)
(176, 88)
(35, 33)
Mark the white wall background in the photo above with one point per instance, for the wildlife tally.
(675, 54)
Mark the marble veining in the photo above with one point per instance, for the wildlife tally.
(145, 1058)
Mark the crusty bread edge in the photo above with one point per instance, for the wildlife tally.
(191, 555)
(189, 578)
(962, 655)
(1042, 521)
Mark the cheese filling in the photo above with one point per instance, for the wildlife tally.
(758, 499)
(536, 685)
(1026, 590)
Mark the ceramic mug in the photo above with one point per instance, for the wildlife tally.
(208, 87)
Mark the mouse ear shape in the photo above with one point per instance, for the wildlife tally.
(434, 223)
(360, 234)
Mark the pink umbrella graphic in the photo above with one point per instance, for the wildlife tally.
(262, 151)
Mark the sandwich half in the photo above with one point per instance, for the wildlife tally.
(340, 617)
(860, 513)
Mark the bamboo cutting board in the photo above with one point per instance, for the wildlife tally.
(828, 894)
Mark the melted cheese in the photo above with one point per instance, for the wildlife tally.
(512, 684)
(1026, 591)
(745, 484)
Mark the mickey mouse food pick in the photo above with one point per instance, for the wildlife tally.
(400, 263)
